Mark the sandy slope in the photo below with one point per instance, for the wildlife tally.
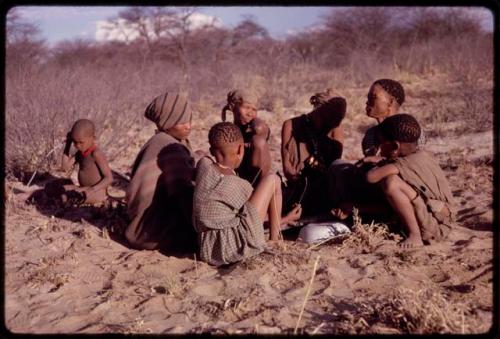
(65, 274)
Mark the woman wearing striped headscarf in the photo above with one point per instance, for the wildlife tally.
(160, 194)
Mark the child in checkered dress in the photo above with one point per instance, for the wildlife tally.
(227, 213)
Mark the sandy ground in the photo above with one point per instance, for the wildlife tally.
(64, 273)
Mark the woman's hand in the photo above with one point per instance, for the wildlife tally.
(294, 214)
(343, 210)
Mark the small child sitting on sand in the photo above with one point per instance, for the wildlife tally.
(227, 213)
(413, 183)
(94, 174)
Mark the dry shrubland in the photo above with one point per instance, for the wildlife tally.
(47, 88)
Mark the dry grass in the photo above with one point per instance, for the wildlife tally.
(45, 275)
(365, 237)
(426, 311)
(172, 286)
(136, 327)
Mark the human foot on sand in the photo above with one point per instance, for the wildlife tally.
(274, 247)
(411, 242)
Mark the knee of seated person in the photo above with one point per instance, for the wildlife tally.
(258, 142)
(272, 177)
(390, 184)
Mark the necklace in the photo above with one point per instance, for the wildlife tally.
(89, 150)
(225, 167)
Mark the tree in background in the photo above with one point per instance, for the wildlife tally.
(23, 42)
(165, 33)
(111, 82)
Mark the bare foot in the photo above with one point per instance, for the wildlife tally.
(273, 247)
(411, 242)
(273, 243)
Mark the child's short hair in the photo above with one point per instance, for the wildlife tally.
(224, 133)
(400, 127)
(85, 126)
(392, 87)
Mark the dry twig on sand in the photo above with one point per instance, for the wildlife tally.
(196, 266)
(313, 274)
(339, 236)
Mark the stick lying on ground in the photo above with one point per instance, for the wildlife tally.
(307, 294)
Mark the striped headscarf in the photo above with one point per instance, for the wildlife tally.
(168, 110)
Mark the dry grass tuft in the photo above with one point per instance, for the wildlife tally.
(365, 237)
(43, 276)
(425, 311)
(82, 233)
(173, 286)
(136, 327)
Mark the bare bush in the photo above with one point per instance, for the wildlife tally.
(111, 83)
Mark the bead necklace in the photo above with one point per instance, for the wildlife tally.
(225, 167)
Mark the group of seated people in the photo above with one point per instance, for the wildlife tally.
(219, 204)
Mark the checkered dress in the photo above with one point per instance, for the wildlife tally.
(229, 227)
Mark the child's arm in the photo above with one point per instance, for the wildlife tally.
(372, 159)
(378, 173)
(286, 135)
(103, 166)
(67, 161)
(337, 133)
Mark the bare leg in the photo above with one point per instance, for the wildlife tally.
(267, 199)
(95, 197)
(400, 194)
(81, 195)
(263, 199)
(261, 156)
